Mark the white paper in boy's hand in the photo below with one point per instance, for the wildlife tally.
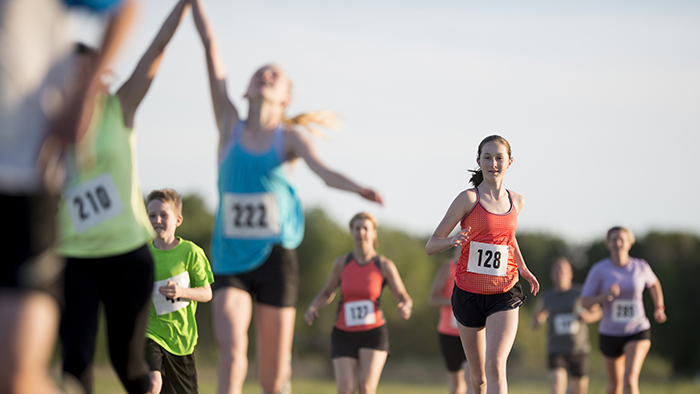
(164, 305)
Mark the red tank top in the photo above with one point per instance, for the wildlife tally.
(447, 324)
(360, 289)
(487, 263)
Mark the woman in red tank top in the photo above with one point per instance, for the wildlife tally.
(487, 295)
(360, 342)
(451, 346)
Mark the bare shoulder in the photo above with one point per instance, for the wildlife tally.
(385, 263)
(518, 200)
(466, 199)
(296, 143)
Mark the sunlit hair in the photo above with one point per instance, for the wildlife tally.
(629, 232)
(365, 216)
(478, 175)
(168, 196)
(306, 120)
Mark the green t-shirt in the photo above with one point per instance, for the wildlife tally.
(171, 323)
(101, 212)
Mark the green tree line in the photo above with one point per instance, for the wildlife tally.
(674, 257)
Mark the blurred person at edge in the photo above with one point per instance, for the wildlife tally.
(41, 111)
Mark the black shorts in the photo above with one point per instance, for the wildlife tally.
(178, 372)
(29, 262)
(471, 310)
(452, 352)
(576, 364)
(275, 282)
(613, 347)
(348, 344)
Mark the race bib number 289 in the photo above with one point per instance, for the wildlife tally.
(488, 259)
(251, 215)
(93, 202)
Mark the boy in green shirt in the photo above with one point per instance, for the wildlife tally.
(182, 278)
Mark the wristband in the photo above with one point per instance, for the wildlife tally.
(660, 307)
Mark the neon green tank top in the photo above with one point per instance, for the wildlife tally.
(101, 212)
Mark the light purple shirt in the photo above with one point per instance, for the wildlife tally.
(625, 314)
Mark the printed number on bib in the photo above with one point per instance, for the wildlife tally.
(93, 202)
(566, 324)
(359, 313)
(623, 311)
(164, 305)
(251, 215)
(488, 259)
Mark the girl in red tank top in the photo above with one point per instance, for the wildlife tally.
(487, 294)
(360, 339)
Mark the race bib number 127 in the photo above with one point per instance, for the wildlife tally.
(488, 259)
(93, 202)
(359, 313)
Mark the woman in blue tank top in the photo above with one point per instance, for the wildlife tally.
(259, 222)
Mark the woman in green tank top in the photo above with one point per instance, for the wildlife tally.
(104, 230)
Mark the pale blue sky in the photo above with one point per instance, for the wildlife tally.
(600, 102)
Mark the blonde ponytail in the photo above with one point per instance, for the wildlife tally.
(322, 118)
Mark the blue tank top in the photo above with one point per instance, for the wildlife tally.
(258, 208)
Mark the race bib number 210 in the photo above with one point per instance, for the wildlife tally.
(93, 202)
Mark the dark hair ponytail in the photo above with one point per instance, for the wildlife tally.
(477, 177)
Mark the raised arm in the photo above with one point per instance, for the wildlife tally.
(299, 146)
(393, 279)
(327, 293)
(70, 125)
(441, 240)
(224, 111)
(436, 297)
(134, 89)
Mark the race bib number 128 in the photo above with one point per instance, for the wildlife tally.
(93, 202)
(251, 215)
(488, 259)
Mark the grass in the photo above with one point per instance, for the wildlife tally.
(107, 383)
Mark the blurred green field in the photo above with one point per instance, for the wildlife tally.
(107, 383)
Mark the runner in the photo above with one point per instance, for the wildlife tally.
(259, 223)
(39, 114)
(450, 344)
(360, 339)
(104, 231)
(567, 335)
(617, 283)
(487, 293)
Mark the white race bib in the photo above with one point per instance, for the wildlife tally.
(251, 215)
(624, 311)
(566, 324)
(164, 305)
(359, 313)
(488, 259)
(93, 202)
(453, 321)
